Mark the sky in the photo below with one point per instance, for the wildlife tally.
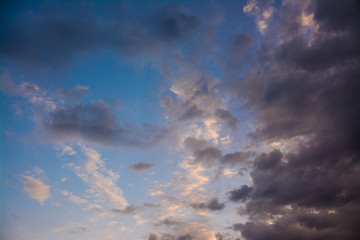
(180, 120)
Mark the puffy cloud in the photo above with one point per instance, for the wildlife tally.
(141, 166)
(36, 189)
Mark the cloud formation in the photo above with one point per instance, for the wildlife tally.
(36, 189)
(304, 92)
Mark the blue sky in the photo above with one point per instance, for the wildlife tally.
(179, 120)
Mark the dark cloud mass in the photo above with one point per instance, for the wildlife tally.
(55, 36)
(305, 92)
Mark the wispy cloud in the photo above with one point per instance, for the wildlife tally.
(101, 179)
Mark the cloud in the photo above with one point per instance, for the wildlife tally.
(36, 189)
(141, 166)
(212, 205)
(304, 92)
(236, 158)
(184, 230)
(67, 150)
(97, 123)
(75, 92)
(76, 199)
(239, 52)
(54, 37)
(262, 11)
(197, 99)
(203, 152)
(78, 230)
(241, 194)
(100, 179)
(127, 210)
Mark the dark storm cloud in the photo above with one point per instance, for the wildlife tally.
(141, 166)
(212, 205)
(97, 123)
(304, 92)
(204, 152)
(302, 225)
(54, 35)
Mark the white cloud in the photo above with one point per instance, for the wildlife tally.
(77, 199)
(67, 150)
(36, 189)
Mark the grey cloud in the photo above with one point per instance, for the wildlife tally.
(96, 122)
(302, 226)
(152, 236)
(219, 236)
(141, 166)
(241, 194)
(131, 210)
(192, 113)
(228, 117)
(236, 158)
(151, 205)
(185, 237)
(212, 205)
(79, 230)
(202, 150)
